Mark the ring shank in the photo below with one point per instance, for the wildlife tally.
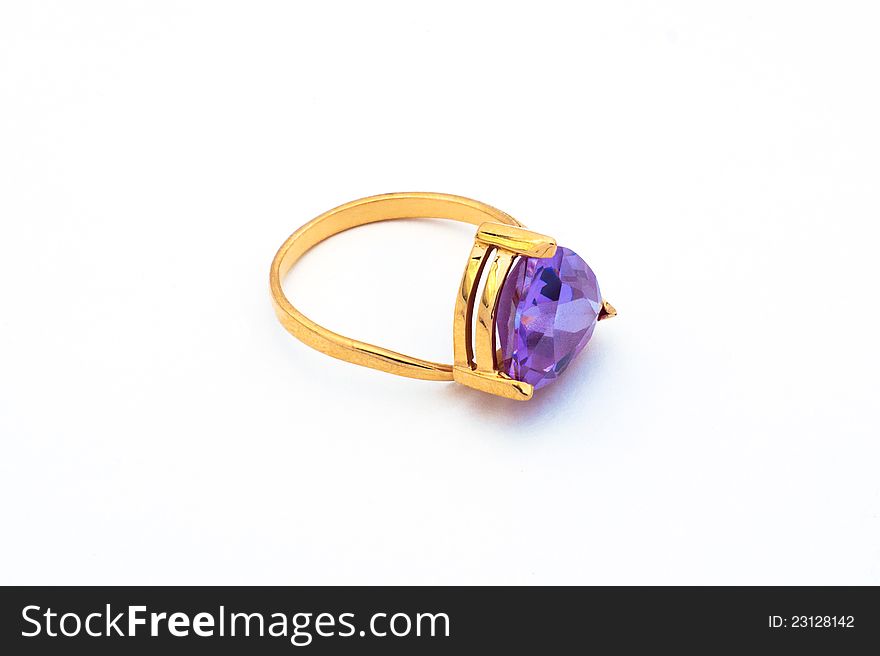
(385, 207)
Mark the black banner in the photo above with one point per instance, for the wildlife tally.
(419, 620)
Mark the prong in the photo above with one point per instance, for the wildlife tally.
(493, 383)
(484, 328)
(607, 311)
(464, 304)
(516, 240)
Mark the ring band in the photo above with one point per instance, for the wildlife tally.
(510, 250)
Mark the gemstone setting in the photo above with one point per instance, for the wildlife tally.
(546, 314)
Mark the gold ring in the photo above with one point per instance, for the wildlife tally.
(537, 310)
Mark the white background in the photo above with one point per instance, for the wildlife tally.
(716, 164)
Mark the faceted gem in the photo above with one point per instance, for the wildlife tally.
(546, 314)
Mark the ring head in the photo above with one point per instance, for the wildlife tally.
(539, 308)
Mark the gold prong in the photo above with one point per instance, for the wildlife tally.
(484, 328)
(516, 240)
(493, 383)
(607, 311)
(464, 305)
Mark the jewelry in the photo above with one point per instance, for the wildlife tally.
(539, 304)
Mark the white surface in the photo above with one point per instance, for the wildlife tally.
(717, 167)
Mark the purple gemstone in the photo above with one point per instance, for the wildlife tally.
(546, 314)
